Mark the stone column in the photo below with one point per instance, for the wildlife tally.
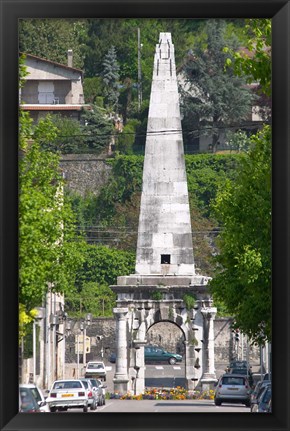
(121, 373)
(139, 355)
(209, 376)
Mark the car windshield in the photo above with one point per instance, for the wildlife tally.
(27, 400)
(239, 371)
(71, 384)
(98, 366)
(233, 381)
(238, 364)
(36, 394)
(85, 383)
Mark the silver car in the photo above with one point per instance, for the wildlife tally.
(100, 388)
(233, 388)
(92, 394)
(67, 394)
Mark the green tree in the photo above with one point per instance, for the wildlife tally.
(111, 79)
(126, 139)
(93, 298)
(254, 62)
(243, 275)
(60, 134)
(48, 256)
(103, 265)
(213, 98)
(51, 39)
(97, 129)
(93, 90)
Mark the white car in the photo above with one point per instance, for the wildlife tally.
(68, 394)
(38, 395)
(96, 370)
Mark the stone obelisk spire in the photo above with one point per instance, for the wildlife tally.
(164, 244)
(164, 271)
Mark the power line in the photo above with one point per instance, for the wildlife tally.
(168, 132)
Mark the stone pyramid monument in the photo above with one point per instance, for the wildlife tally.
(164, 234)
(164, 271)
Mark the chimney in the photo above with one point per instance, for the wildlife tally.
(70, 58)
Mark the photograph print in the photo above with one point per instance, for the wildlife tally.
(145, 195)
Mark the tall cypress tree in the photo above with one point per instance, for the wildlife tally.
(111, 79)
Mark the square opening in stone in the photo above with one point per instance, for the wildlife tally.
(165, 259)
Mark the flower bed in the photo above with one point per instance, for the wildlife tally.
(177, 393)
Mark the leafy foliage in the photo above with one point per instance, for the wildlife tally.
(103, 265)
(59, 134)
(213, 97)
(97, 129)
(126, 139)
(255, 62)
(46, 225)
(243, 206)
(51, 39)
(205, 174)
(47, 254)
(93, 89)
(92, 298)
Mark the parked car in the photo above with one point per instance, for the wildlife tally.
(68, 394)
(232, 388)
(38, 395)
(92, 395)
(259, 388)
(244, 371)
(239, 364)
(96, 369)
(101, 389)
(157, 354)
(112, 358)
(263, 400)
(27, 402)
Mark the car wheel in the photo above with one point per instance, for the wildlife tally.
(104, 401)
(172, 361)
(85, 409)
(217, 402)
(93, 405)
(53, 409)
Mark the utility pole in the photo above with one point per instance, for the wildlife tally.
(139, 72)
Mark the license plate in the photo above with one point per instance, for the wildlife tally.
(233, 389)
(67, 395)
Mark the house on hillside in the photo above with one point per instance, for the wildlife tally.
(53, 88)
(197, 140)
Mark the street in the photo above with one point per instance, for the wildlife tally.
(164, 375)
(164, 406)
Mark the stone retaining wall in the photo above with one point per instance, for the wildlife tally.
(85, 173)
(165, 334)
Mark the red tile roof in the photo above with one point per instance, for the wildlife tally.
(51, 62)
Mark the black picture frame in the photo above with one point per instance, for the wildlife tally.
(11, 11)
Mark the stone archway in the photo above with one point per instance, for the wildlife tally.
(167, 335)
(137, 312)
